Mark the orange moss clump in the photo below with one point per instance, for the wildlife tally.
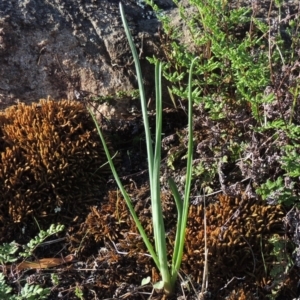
(50, 159)
(237, 233)
(240, 294)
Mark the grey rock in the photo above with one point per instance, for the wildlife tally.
(59, 48)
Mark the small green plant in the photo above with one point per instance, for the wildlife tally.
(276, 192)
(282, 266)
(9, 254)
(159, 252)
(5, 290)
(35, 242)
(225, 64)
(54, 279)
(79, 293)
(31, 292)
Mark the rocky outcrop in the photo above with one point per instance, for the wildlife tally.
(60, 48)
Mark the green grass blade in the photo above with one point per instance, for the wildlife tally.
(155, 187)
(142, 93)
(157, 214)
(125, 195)
(181, 236)
(179, 207)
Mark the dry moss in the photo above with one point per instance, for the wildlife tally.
(237, 230)
(240, 294)
(50, 159)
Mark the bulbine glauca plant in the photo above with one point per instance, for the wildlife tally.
(158, 251)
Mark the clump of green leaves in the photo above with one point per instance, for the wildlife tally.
(36, 241)
(240, 57)
(230, 75)
(226, 69)
(276, 192)
(282, 264)
(9, 254)
(31, 292)
(79, 293)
